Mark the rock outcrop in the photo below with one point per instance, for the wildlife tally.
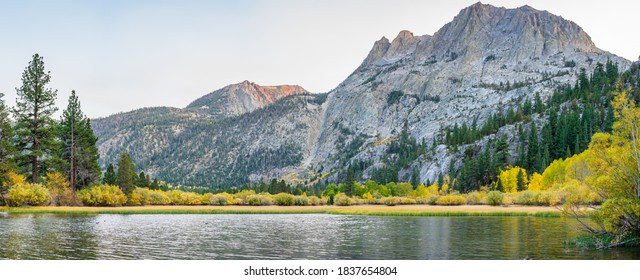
(244, 97)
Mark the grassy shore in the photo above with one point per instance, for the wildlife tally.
(369, 210)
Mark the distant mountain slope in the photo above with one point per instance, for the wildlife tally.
(486, 60)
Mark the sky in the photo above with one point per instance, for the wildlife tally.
(124, 55)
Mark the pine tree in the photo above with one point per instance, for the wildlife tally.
(520, 181)
(533, 153)
(35, 105)
(78, 146)
(125, 177)
(527, 107)
(349, 183)
(501, 153)
(609, 120)
(143, 180)
(7, 150)
(109, 176)
(273, 186)
(499, 186)
(538, 104)
(415, 178)
(155, 185)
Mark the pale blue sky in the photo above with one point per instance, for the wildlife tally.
(122, 55)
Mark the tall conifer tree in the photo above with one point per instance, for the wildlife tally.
(78, 146)
(35, 105)
(126, 175)
(7, 150)
(109, 176)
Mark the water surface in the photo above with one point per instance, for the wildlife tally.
(288, 236)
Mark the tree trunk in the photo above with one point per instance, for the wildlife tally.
(72, 177)
(34, 163)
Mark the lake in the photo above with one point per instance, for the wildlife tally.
(290, 236)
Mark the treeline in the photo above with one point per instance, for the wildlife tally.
(43, 160)
(36, 145)
(573, 114)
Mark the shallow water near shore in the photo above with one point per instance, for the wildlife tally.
(290, 236)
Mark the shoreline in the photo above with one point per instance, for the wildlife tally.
(367, 210)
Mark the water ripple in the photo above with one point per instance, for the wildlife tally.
(49, 236)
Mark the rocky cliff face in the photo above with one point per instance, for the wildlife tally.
(484, 61)
(243, 98)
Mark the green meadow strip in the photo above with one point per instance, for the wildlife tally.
(442, 213)
(293, 210)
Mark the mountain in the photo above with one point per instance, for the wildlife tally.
(244, 97)
(486, 60)
(149, 134)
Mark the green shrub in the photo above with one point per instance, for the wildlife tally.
(242, 195)
(102, 195)
(175, 196)
(283, 199)
(27, 194)
(300, 200)
(214, 199)
(396, 200)
(158, 197)
(494, 198)
(526, 198)
(342, 199)
(508, 198)
(140, 196)
(433, 199)
(190, 198)
(314, 200)
(390, 200)
(259, 200)
(451, 199)
(230, 198)
(475, 197)
(422, 200)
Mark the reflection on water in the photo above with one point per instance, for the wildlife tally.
(49, 236)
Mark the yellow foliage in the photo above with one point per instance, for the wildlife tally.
(550, 198)
(230, 198)
(509, 179)
(56, 180)
(508, 199)
(342, 199)
(475, 197)
(140, 196)
(433, 189)
(102, 195)
(244, 194)
(158, 197)
(15, 178)
(535, 182)
(554, 174)
(29, 194)
(576, 167)
(444, 189)
(214, 199)
(59, 189)
(452, 199)
(420, 191)
(367, 196)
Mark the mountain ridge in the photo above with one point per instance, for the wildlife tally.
(484, 61)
